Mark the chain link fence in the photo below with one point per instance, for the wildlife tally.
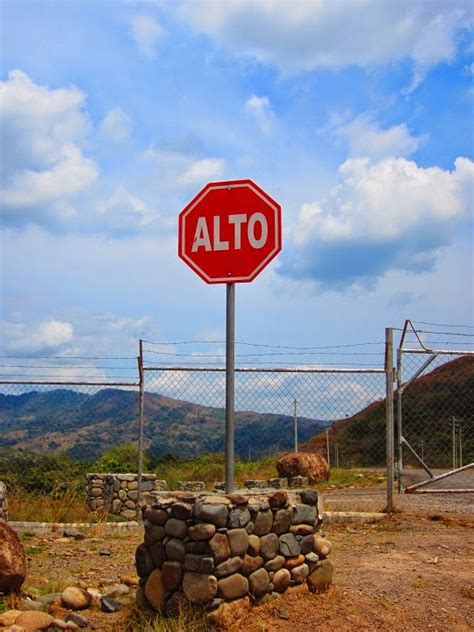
(340, 412)
(435, 411)
(53, 433)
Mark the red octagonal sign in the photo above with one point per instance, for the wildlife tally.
(229, 232)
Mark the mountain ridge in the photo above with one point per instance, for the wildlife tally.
(448, 390)
(84, 425)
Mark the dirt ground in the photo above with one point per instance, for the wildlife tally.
(403, 573)
(406, 572)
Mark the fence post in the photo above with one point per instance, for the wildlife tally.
(389, 415)
(399, 421)
(141, 396)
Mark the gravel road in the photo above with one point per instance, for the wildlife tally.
(375, 499)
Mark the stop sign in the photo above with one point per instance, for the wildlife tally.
(229, 232)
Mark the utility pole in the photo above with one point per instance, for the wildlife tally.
(454, 443)
(328, 456)
(295, 405)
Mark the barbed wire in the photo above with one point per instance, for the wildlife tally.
(187, 342)
(30, 357)
(441, 333)
(422, 322)
(68, 368)
(258, 344)
(51, 376)
(445, 342)
(272, 362)
(259, 355)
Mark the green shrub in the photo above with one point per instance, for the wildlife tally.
(119, 459)
(56, 474)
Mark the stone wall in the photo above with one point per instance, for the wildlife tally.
(117, 493)
(3, 502)
(214, 549)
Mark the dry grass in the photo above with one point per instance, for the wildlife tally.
(210, 468)
(188, 619)
(29, 507)
(54, 583)
(69, 505)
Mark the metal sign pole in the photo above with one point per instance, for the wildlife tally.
(229, 388)
(141, 396)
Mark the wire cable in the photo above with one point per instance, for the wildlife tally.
(256, 344)
(447, 342)
(23, 357)
(259, 355)
(422, 322)
(26, 376)
(68, 368)
(221, 366)
(444, 333)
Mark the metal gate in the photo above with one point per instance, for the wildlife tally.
(435, 408)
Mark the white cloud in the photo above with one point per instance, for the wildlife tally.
(116, 125)
(390, 214)
(387, 198)
(437, 41)
(260, 109)
(367, 138)
(132, 326)
(65, 349)
(183, 169)
(200, 171)
(303, 35)
(68, 175)
(49, 334)
(44, 168)
(167, 159)
(124, 211)
(147, 33)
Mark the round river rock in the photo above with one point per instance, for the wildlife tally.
(199, 588)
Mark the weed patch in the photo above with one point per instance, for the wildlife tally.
(187, 619)
(33, 507)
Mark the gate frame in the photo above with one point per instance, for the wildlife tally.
(401, 387)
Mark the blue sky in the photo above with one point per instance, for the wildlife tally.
(356, 116)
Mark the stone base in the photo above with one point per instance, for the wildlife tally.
(117, 494)
(247, 547)
(298, 481)
(269, 483)
(191, 486)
